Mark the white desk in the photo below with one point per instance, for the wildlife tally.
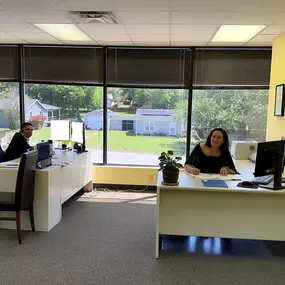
(234, 212)
(53, 186)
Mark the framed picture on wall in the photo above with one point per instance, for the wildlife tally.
(279, 100)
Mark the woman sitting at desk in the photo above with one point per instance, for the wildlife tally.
(213, 156)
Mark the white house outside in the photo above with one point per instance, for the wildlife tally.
(160, 122)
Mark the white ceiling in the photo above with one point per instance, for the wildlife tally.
(143, 22)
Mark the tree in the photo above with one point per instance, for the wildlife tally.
(238, 111)
(11, 92)
(71, 98)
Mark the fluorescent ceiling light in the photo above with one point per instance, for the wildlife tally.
(64, 32)
(237, 33)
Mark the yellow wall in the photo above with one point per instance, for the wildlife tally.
(275, 124)
(124, 175)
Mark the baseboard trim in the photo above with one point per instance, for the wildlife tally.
(124, 187)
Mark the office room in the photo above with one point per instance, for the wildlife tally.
(96, 96)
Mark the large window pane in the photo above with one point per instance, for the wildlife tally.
(46, 102)
(142, 123)
(9, 112)
(243, 113)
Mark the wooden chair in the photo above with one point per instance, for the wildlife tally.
(23, 197)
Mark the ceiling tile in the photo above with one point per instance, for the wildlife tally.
(19, 5)
(151, 43)
(263, 38)
(191, 38)
(119, 43)
(247, 18)
(18, 41)
(225, 44)
(193, 29)
(80, 43)
(223, 18)
(36, 36)
(109, 37)
(143, 17)
(200, 6)
(94, 29)
(273, 30)
(250, 44)
(148, 38)
(82, 5)
(131, 5)
(6, 36)
(148, 29)
(257, 6)
(9, 16)
(18, 28)
(46, 17)
(196, 18)
(185, 43)
(44, 42)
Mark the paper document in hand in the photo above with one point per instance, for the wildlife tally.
(210, 176)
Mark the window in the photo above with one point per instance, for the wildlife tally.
(69, 102)
(9, 112)
(145, 123)
(243, 113)
(127, 125)
(149, 126)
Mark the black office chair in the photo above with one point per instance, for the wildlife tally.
(2, 154)
(23, 198)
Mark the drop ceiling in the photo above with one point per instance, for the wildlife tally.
(143, 22)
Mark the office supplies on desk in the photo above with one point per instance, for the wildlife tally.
(12, 163)
(5, 165)
(264, 180)
(214, 183)
(247, 184)
(44, 156)
(210, 176)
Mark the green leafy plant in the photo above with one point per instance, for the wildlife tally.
(169, 162)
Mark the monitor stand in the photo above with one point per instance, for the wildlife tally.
(278, 169)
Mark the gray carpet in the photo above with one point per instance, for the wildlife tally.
(113, 243)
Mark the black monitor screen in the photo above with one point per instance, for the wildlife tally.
(43, 151)
(269, 158)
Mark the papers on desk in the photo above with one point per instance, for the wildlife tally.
(9, 164)
(208, 176)
(60, 162)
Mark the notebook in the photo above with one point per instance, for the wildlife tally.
(214, 183)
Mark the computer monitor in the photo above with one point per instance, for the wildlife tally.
(60, 130)
(44, 156)
(270, 160)
(78, 134)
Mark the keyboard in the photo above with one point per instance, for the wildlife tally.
(262, 179)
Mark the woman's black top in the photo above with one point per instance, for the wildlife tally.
(210, 164)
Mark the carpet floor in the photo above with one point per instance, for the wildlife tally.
(108, 238)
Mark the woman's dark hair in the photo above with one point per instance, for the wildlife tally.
(25, 124)
(225, 145)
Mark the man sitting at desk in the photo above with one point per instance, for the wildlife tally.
(19, 143)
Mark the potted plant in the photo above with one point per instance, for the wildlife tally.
(169, 164)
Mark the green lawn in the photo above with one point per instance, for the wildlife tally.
(120, 141)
